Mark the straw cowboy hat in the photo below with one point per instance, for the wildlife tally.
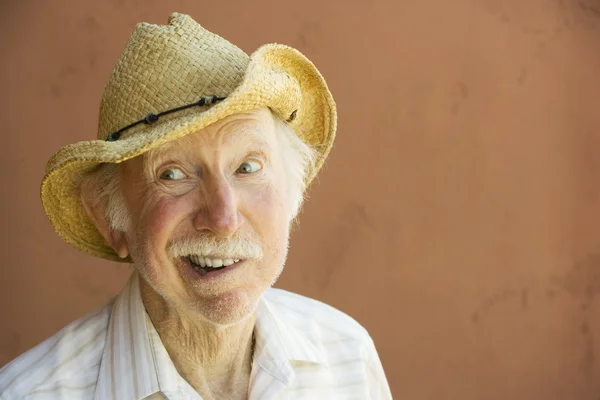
(172, 80)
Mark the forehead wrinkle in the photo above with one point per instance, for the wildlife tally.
(247, 135)
(161, 151)
(251, 129)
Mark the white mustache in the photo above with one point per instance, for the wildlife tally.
(232, 248)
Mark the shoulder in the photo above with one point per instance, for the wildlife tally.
(343, 345)
(313, 316)
(72, 354)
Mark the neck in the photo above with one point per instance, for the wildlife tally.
(214, 360)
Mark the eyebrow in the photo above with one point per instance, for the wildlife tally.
(258, 154)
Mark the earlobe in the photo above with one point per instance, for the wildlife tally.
(96, 211)
(119, 243)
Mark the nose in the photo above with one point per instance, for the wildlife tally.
(219, 213)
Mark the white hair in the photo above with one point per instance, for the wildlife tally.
(106, 181)
(298, 159)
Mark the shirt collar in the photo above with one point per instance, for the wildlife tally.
(279, 346)
(135, 363)
(280, 340)
(128, 366)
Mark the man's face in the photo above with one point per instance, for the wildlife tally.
(217, 194)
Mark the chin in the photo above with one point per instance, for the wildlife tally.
(227, 309)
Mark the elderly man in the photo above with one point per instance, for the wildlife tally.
(200, 166)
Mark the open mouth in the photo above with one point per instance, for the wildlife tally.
(206, 265)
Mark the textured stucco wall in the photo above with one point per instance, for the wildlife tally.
(456, 218)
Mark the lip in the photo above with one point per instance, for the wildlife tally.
(211, 276)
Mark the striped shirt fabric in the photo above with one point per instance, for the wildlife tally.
(304, 350)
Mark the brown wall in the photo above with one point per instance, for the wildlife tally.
(456, 218)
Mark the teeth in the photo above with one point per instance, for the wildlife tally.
(217, 263)
(212, 262)
(195, 259)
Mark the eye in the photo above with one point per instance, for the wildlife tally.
(249, 167)
(172, 174)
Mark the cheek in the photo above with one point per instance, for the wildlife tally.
(158, 220)
(160, 217)
(269, 217)
(271, 202)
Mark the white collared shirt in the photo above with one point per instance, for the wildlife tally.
(304, 350)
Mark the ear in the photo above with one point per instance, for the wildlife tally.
(96, 210)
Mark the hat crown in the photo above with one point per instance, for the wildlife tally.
(167, 66)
